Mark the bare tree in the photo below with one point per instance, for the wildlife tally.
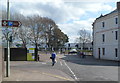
(84, 37)
(37, 30)
(16, 32)
(23, 34)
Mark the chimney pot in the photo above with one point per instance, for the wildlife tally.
(118, 6)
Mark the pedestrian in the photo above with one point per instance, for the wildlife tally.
(53, 56)
(83, 55)
(79, 53)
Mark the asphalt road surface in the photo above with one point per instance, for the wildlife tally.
(89, 69)
(67, 68)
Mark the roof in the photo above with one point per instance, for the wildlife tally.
(115, 11)
(107, 14)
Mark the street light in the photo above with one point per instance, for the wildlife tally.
(8, 44)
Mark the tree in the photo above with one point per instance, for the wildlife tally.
(54, 37)
(59, 38)
(37, 30)
(23, 33)
(20, 33)
(34, 23)
(49, 28)
(84, 37)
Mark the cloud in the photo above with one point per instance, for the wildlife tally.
(70, 15)
(58, 11)
(71, 29)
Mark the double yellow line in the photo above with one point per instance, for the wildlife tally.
(56, 76)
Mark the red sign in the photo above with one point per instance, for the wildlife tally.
(9, 23)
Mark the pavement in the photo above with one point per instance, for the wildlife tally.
(34, 71)
(67, 68)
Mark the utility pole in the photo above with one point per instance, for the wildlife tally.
(8, 44)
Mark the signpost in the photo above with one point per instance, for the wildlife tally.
(10, 23)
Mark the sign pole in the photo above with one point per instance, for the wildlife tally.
(9, 23)
(8, 45)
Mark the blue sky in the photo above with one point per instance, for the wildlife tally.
(69, 15)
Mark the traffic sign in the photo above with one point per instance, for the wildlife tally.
(9, 23)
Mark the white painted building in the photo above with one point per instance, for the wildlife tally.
(87, 46)
(106, 31)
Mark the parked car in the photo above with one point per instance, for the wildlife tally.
(72, 51)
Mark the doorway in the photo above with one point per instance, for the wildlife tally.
(99, 53)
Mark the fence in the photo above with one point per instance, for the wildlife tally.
(16, 54)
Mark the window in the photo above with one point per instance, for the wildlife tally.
(116, 52)
(103, 24)
(99, 53)
(90, 48)
(103, 37)
(103, 49)
(116, 35)
(116, 20)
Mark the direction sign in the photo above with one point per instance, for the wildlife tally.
(9, 23)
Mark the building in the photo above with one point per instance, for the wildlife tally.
(1, 55)
(106, 36)
(87, 46)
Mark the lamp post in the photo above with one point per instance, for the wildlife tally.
(8, 44)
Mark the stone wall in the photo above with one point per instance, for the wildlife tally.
(1, 53)
(1, 62)
(1, 57)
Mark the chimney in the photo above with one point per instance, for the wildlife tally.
(118, 6)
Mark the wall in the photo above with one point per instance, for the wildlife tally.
(1, 61)
(17, 54)
(109, 30)
(1, 54)
(118, 7)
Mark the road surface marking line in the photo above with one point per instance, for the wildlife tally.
(71, 71)
(56, 76)
(48, 74)
(61, 63)
(43, 63)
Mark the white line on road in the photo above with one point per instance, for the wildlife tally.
(43, 63)
(71, 71)
(61, 63)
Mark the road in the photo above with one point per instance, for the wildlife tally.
(90, 69)
(67, 68)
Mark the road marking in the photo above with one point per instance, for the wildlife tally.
(71, 71)
(56, 76)
(43, 63)
(61, 63)
(17, 80)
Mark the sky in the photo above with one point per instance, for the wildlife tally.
(70, 15)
